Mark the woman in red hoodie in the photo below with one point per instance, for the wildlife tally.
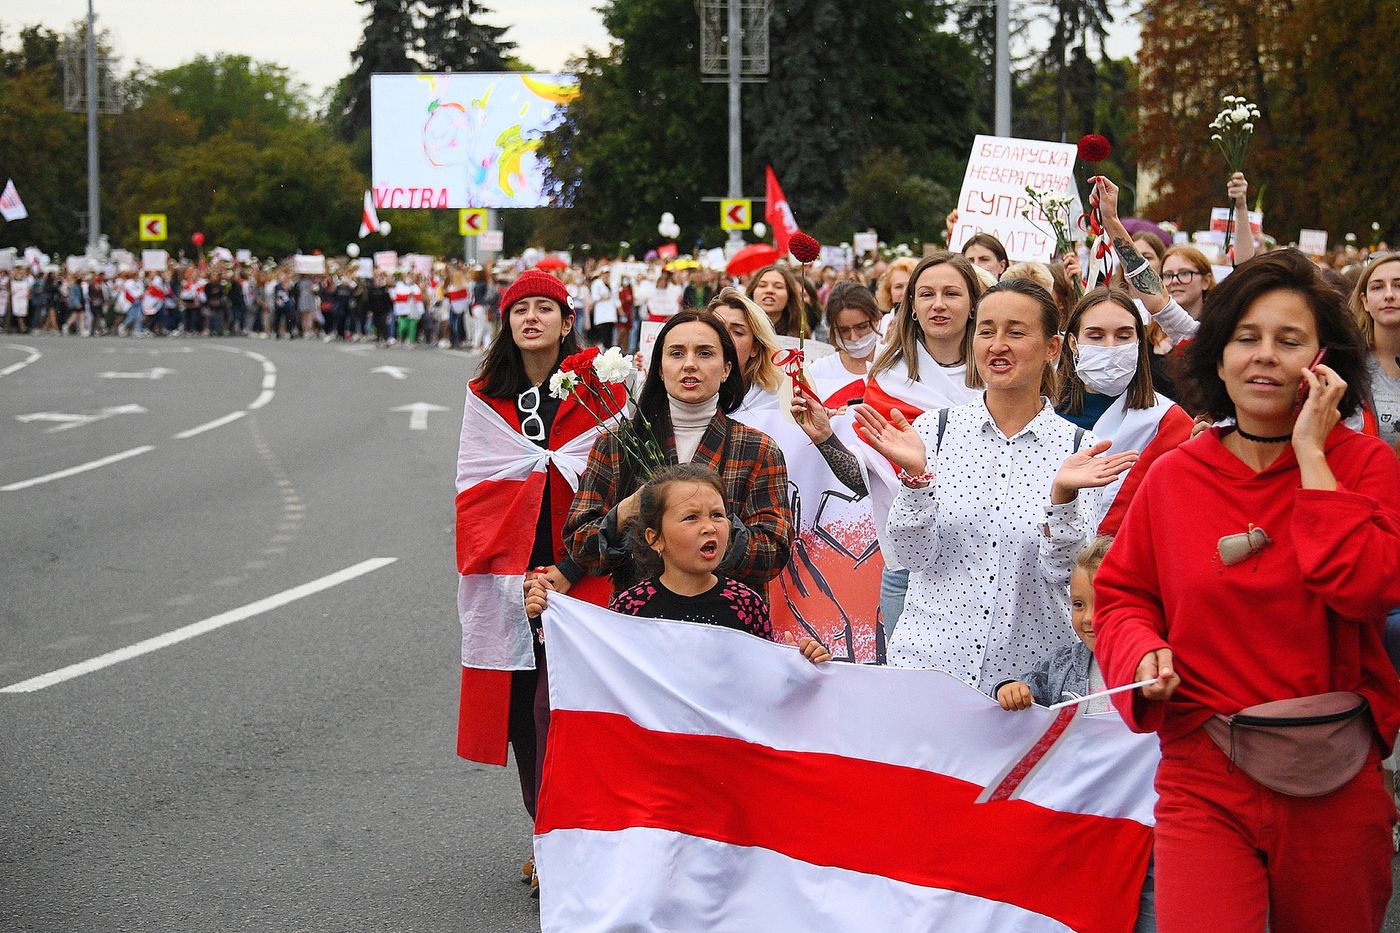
(1255, 565)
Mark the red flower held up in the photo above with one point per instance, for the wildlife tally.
(1094, 148)
(804, 248)
(580, 363)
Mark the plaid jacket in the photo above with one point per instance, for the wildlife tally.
(755, 479)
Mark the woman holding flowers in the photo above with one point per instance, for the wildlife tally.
(695, 381)
(520, 456)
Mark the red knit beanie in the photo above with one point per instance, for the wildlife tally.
(536, 284)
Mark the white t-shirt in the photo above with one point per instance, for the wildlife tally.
(19, 296)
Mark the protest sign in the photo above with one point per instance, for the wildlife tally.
(1312, 242)
(364, 268)
(491, 241)
(1221, 219)
(154, 260)
(993, 194)
(386, 261)
(7, 258)
(867, 241)
(419, 264)
(309, 265)
(243, 256)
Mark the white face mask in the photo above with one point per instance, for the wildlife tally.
(861, 348)
(1106, 370)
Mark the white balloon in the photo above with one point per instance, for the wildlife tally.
(668, 218)
(384, 228)
(759, 230)
(352, 250)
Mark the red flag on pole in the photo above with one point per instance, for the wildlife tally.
(777, 212)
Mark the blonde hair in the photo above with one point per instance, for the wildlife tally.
(1037, 272)
(1092, 554)
(759, 370)
(904, 333)
(1357, 302)
(884, 296)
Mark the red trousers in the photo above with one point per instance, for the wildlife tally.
(1232, 855)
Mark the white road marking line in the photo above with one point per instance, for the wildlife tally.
(210, 425)
(16, 367)
(81, 468)
(196, 629)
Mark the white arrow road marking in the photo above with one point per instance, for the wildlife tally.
(69, 421)
(187, 632)
(418, 421)
(73, 471)
(16, 367)
(156, 373)
(398, 372)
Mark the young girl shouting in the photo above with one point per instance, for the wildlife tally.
(683, 527)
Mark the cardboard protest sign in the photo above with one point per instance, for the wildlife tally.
(993, 194)
(386, 260)
(155, 260)
(1221, 218)
(1312, 242)
(309, 265)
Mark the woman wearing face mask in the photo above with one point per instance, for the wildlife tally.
(853, 319)
(755, 343)
(972, 520)
(692, 386)
(1107, 389)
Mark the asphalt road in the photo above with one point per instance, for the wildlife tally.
(293, 768)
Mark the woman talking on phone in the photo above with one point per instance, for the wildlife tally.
(1249, 583)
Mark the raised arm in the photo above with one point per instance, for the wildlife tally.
(1237, 188)
(1143, 281)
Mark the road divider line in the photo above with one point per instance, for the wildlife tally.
(16, 367)
(195, 629)
(210, 425)
(81, 468)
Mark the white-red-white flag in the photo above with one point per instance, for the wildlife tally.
(699, 778)
(11, 207)
(369, 220)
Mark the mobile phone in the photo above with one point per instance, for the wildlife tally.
(1312, 367)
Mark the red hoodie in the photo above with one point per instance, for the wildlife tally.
(1303, 616)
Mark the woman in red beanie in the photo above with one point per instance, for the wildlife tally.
(518, 463)
(1254, 569)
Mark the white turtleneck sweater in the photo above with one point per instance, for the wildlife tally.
(689, 421)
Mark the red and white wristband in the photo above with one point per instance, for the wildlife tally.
(917, 481)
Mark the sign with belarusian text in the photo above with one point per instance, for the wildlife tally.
(994, 196)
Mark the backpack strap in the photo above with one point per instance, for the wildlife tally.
(943, 426)
(1078, 439)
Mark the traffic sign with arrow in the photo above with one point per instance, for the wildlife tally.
(418, 420)
(736, 214)
(152, 227)
(471, 221)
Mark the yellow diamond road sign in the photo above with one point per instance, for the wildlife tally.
(152, 226)
(736, 214)
(471, 221)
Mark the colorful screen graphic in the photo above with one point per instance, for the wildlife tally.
(463, 140)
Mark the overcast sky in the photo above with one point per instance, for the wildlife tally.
(314, 38)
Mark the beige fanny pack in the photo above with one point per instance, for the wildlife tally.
(1303, 747)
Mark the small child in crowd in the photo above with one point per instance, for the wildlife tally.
(682, 535)
(1070, 672)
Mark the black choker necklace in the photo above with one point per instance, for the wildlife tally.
(1263, 440)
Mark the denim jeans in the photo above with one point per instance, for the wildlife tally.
(894, 584)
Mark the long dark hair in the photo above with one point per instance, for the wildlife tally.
(652, 402)
(502, 369)
(1281, 270)
(1140, 393)
(652, 508)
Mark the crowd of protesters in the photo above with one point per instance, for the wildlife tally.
(1183, 481)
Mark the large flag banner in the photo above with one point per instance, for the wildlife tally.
(11, 207)
(699, 778)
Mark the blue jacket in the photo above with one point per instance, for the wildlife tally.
(1064, 672)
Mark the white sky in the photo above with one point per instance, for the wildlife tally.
(314, 38)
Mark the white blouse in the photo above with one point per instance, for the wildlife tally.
(988, 555)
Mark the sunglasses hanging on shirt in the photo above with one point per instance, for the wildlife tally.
(531, 424)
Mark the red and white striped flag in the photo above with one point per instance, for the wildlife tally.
(700, 778)
(369, 220)
(11, 207)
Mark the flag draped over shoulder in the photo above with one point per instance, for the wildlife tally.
(1151, 432)
(702, 778)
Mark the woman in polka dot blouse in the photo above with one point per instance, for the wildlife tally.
(990, 511)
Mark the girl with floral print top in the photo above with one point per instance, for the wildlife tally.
(683, 533)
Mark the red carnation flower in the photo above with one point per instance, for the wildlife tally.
(804, 247)
(580, 363)
(1094, 148)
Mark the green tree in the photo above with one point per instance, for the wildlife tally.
(384, 49)
(450, 36)
(43, 147)
(883, 193)
(216, 91)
